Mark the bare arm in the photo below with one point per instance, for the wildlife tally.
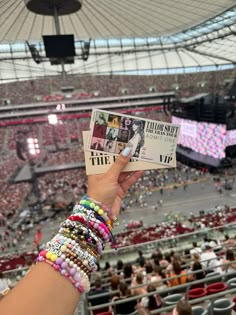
(43, 290)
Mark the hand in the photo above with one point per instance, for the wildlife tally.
(110, 188)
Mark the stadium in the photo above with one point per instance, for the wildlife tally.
(173, 251)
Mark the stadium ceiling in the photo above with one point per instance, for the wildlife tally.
(102, 19)
(127, 37)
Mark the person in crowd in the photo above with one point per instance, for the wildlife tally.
(127, 273)
(209, 260)
(151, 302)
(157, 277)
(138, 280)
(229, 260)
(148, 271)
(115, 281)
(119, 266)
(101, 299)
(228, 240)
(58, 292)
(140, 260)
(107, 267)
(195, 249)
(169, 261)
(162, 261)
(177, 272)
(126, 307)
(199, 275)
(183, 307)
(38, 238)
(5, 285)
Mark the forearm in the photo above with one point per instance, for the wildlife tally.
(42, 291)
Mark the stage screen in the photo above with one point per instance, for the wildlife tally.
(230, 138)
(202, 137)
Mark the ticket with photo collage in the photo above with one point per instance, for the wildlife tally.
(150, 140)
(100, 162)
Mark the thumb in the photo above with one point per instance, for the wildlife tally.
(120, 163)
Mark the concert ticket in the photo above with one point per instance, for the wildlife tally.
(150, 140)
(100, 162)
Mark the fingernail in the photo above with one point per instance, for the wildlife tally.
(126, 151)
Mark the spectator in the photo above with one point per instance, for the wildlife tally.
(157, 277)
(209, 260)
(138, 280)
(140, 260)
(195, 249)
(151, 302)
(126, 307)
(183, 307)
(177, 271)
(115, 281)
(5, 285)
(119, 266)
(229, 260)
(197, 267)
(127, 273)
(101, 299)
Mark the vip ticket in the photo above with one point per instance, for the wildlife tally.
(100, 162)
(150, 140)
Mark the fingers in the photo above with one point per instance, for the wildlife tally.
(123, 176)
(126, 184)
(120, 163)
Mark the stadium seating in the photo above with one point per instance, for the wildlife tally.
(216, 287)
(222, 307)
(196, 293)
(172, 299)
(232, 283)
(199, 310)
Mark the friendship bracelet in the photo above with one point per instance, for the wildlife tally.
(100, 227)
(88, 246)
(64, 262)
(59, 244)
(101, 206)
(87, 205)
(91, 236)
(82, 236)
(77, 279)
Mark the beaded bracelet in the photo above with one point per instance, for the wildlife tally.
(59, 244)
(89, 236)
(86, 245)
(75, 226)
(75, 275)
(96, 205)
(93, 224)
(75, 249)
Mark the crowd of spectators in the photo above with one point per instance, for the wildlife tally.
(67, 185)
(186, 84)
(158, 272)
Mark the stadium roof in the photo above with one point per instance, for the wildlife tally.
(111, 18)
(133, 37)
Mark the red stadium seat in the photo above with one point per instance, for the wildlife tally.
(197, 293)
(216, 287)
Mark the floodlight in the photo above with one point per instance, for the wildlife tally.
(52, 119)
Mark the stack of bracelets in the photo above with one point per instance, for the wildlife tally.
(74, 251)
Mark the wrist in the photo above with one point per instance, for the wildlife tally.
(75, 250)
